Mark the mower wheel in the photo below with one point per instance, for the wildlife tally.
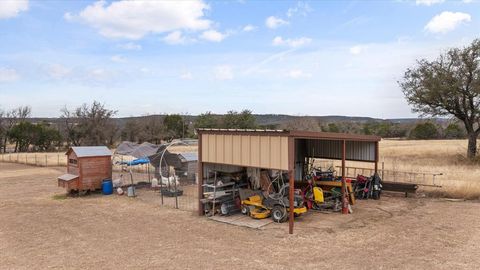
(376, 195)
(279, 214)
(245, 209)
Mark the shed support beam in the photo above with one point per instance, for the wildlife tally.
(344, 181)
(376, 157)
(291, 181)
(200, 176)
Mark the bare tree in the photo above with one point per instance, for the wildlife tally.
(70, 132)
(130, 131)
(302, 123)
(152, 129)
(89, 125)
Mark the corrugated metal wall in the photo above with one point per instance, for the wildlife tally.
(270, 152)
(331, 149)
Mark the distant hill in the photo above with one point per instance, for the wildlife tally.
(278, 119)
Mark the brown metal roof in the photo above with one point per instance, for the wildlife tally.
(294, 133)
(333, 136)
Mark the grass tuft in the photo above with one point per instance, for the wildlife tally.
(59, 197)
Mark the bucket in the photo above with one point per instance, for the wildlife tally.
(107, 187)
(131, 191)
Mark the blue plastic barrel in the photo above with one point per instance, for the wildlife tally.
(107, 187)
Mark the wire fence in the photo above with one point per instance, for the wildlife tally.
(391, 175)
(183, 196)
(140, 175)
(143, 174)
(422, 178)
(35, 159)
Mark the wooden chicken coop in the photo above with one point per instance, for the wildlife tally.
(87, 166)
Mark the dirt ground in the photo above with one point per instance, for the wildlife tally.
(39, 231)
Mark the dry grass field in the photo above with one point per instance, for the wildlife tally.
(42, 229)
(460, 177)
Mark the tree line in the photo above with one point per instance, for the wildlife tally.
(95, 124)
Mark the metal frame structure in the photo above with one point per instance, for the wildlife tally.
(348, 146)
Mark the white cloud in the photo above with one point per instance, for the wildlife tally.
(57, 71)
(118, 59)
(131, 46)
(99, 74)
(301, 8)
(298, 74)
(428, 2)
(135, 19)
(8, 74)
(249, 28)
(69, 17)
(357, 49)
(274, 22)
(213, 35)
(174, 38)
(294, 43)
(447, 21)
(467, 1)
(11, 8)
(186, 75)
(223, 73)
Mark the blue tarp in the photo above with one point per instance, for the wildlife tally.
(138, 161)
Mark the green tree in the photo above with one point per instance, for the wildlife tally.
(454, 131)
(12, 118)
(23, 135)
(448, 86)
(243, 120)
(424, 131)
(47, 137)
(385, 129)
(41, 136)
(207, 120)
(175, 126)
(332, 127)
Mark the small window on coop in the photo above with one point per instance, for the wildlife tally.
(72, 161)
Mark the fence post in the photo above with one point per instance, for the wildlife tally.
(26, 159)
(46, 160)
(35, 159)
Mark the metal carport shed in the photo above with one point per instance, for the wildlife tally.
(281, 150)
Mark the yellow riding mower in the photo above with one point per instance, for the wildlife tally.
(260, 206)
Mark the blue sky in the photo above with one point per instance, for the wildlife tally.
(286, 57)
